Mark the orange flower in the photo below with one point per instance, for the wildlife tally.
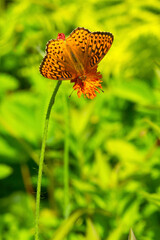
(88, 84)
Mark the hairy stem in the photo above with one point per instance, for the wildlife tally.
(66, 160)
(52, 100)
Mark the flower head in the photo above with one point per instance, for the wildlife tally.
(88, 84)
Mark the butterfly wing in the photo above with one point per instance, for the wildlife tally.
(98, 45)
(56, 64)
(77, 47)
(88, 48)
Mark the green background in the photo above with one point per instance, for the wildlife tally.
(114, 139)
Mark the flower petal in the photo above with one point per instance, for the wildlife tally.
(90, 85)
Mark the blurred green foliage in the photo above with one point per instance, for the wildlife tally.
(114, 140)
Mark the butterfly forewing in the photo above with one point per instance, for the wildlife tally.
(79, 39)
(77, 48)
(98, 45)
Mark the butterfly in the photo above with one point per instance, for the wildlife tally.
(76, 58)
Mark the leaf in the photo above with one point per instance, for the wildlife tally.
(153, 125)
(67, 225)
(153, 198)
(103, 169)
(5, 171)
(116, 233)
(81, 118)
(8, 82)
(91, 231)
(18, 111)
(123, 150)
(83, 185)
(131, 235)
(135, 91)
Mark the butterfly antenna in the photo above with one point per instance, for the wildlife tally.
(71, 93)
(100, 89)
(39, 51)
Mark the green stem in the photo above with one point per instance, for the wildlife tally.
(66, 160)
(42, 159)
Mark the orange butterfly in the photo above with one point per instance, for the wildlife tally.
(76, 59)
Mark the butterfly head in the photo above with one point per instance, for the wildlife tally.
(61, 36)
(82, 78)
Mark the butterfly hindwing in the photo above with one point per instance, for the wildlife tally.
(55, 64)
(52, 68)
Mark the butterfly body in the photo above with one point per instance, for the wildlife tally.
(75, 58)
